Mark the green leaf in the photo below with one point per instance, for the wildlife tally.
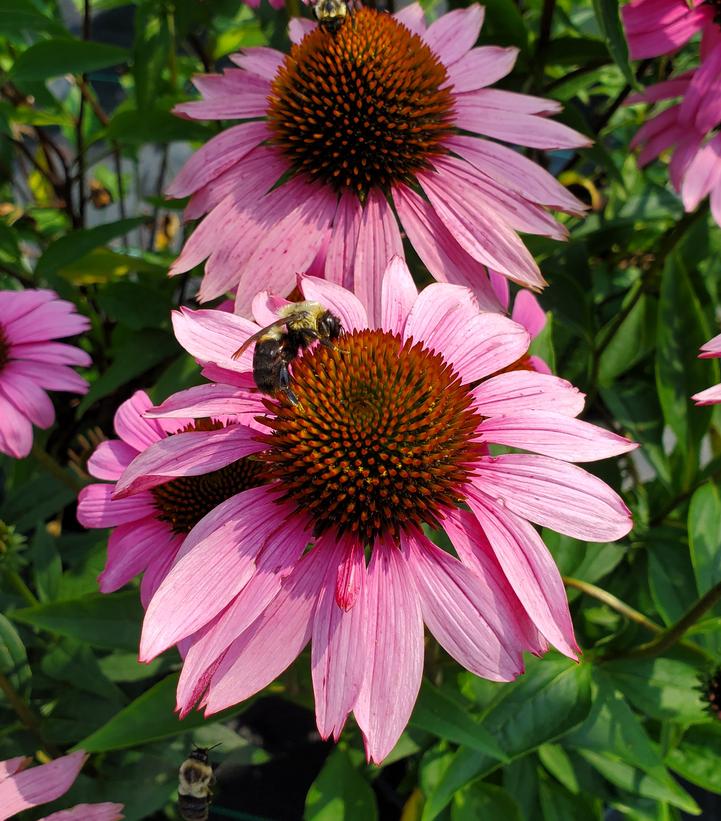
(340, 793)
(436, 713)
(149, 718)
(77, 244)
(135, 304)
(52, 58)
(35, 500)
(13, 658)
(633, 340)
(21, 15)
(609, 21)
(704, 534)
(154, 126)
(697, 757)
(111, 621)
(484, 801)
(557, 804)
(549, 700)
(47, 567)
(75, 664)
(671, 580)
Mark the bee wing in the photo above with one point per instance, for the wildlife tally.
(279, 323)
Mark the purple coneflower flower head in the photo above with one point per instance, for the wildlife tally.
(390, 436)
(387, 124)
(32, 363)
(21, 789)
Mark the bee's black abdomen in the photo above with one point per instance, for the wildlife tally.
(193, 809)
(268, 361)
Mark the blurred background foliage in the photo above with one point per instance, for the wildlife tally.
(87, 145)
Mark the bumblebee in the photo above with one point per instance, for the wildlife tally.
(195, 785)
(277, 345)
(331, 14)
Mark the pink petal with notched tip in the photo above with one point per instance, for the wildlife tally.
(511, 126)
(212, 401)
(186, 454)
(338, 652)
(344, 240)
(453, 34)
(131, 425)
(277, 559)
(214, 564)
(131, 547)
(476, 553)
(216, 156)
(16, 431)
(702, 175)
(110, 458)
(462, 616)
(479, 231)
(439, 250)
(530, 569)
(379, 239)
(39, 785)
(97, 508)
(299, 27)
(266, 306)
(88, 812)
(16, 304)
(13, 765)
(56, 378)
(214, 336)
(411, 16)
(511, 169)
(393, 651)
(260, 60)
(527, 311)
(51, 353)
(347, 307)
(274, 640)
(481, 67)
(554, 494)
(519, 391)
(28, 397)
(553, 434)
(398, 293)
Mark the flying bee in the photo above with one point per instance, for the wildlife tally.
(331, 14)
(195, 785)
(277, 345)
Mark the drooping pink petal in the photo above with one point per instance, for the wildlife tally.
(394, 651)
(351, 574)
(58, 318)
(159, 564)
(88, 812)
(461, 614)
(16, 304)
(186, 454)
(16, 431)
(398, 293)
(481, 67)
(110, 458)
(501, 288)
(519, 391)
(39, 785)
(711, 349)
(13, 765)
(344, 240)
(212, 401)
(129, 547)
(710, 396)
(513, 101)
(554, 494)
(233, 95)
(345, 305)
(665, 90)
(554, 434)
(528, 312)
(683, 155)
(530, 569)
(28, 397)
(453, 34)
(52, 353)
(260, 60)
(702, 175)
(412, 18)
(214, 336)
(701, 106)
(98, 508)
(56, 378)
(131, 425)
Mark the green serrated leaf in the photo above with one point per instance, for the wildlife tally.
(66, 55)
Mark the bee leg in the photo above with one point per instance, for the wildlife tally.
(284, 385)
(329, 343)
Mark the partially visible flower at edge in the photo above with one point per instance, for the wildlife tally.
(712, 395)
(380, 119)
(31, 363)
(388, 435)
(21, 789)
(656, 27)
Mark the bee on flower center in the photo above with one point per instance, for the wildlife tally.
(331, 14)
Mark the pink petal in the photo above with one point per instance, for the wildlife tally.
(338, 648)
(554, 434)
(46, 321)
(131, 425)
(214, 564)
(378, 240)
(110, 458)
(398, 293)
(216, 156)
(702, 175)
(701, 105)
(711, 349)
(527, 311)
(28, 397)
(683, 155)
(299, 27)
(16, 304)
(57, 378)
(186, 454)
(530, 569)
(97, 508)
(39, 785)
(519, 391)
(394, 652)
(411, 16)
(453, 34)
(265, 649)
(233, 95)
(52, 353)
(344, 240)
(13, 765)
(554, 494)
(485, 236)
(666, 90)
(260, 60)
(708, 397)
(266, 307)
(16, 431)
(501, 289)
(130, 549)
(88, 812)
(439, 250)
(212, 401)
(158, 568)
(481, 67)
(512, 101)
(462, 614)
(214, 336)
(344, 304)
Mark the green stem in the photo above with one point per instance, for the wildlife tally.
(26, 716)
(20, 587)
(54, 469)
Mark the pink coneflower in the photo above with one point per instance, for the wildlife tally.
(21, 789)
(149, 528)
(391, 433)
(356, 131)
(31, 363)
(655, 27)
(712, 395)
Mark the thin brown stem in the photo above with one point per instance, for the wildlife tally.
(27, 717)
(614, 603)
